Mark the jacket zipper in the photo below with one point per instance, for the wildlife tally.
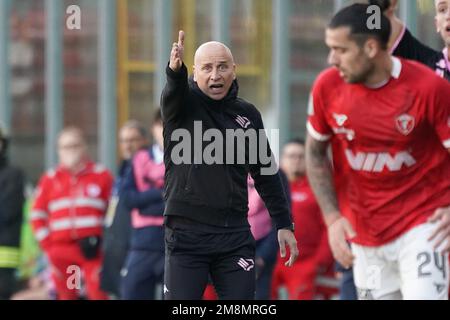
(72, 207)
(227, 172)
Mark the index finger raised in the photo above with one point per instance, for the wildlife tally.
(181, 38)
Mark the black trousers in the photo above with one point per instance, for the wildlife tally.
(8, 283)
(192, 255)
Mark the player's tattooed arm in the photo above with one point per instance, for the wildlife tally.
(319, 172)
(318, 168)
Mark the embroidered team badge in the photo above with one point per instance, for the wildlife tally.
(243, 121)
(341, 119)
(405, 124)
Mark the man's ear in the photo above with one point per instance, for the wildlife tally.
(371, 48)
(234, 71)
(193, 71)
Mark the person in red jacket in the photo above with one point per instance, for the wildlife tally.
(67, 217)
(315, 263)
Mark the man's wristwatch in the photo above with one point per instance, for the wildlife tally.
(291, 227)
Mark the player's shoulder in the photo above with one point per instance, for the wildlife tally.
(328, 79)
(415, 71)
(421, 76)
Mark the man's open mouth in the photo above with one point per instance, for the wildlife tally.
(216, 86)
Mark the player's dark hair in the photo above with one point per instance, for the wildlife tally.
(383, 4)
(356, 17)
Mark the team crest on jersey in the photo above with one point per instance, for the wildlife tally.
(243, 121)
(405, 124)
(341, 119)
(93, 190)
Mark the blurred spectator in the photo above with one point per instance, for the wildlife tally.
(315, 260)
(12, 201)
(266, 238)
(403, 44)
(132, 137)
(37, 290)
(143, 193)
(40, 286)
(67, 217)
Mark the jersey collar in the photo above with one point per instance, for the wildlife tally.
(396, 67)
(395, 73)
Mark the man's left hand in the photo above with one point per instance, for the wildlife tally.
(287, 237)
(442, 233)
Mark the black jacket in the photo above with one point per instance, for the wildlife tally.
(214, 194)
(411, 48)
(11, 204)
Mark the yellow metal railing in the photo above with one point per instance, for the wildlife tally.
(122, 60)
(259, 69)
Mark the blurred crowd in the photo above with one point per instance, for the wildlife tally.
(99, 235)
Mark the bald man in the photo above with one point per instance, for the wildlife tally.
(207, 231)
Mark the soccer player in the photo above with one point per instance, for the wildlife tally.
(207, 230)
(403, 44)
(388, 191)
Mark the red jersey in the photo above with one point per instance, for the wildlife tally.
(389, 147)
(311, 232)
(70, 206)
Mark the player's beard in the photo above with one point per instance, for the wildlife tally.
(362, 77)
